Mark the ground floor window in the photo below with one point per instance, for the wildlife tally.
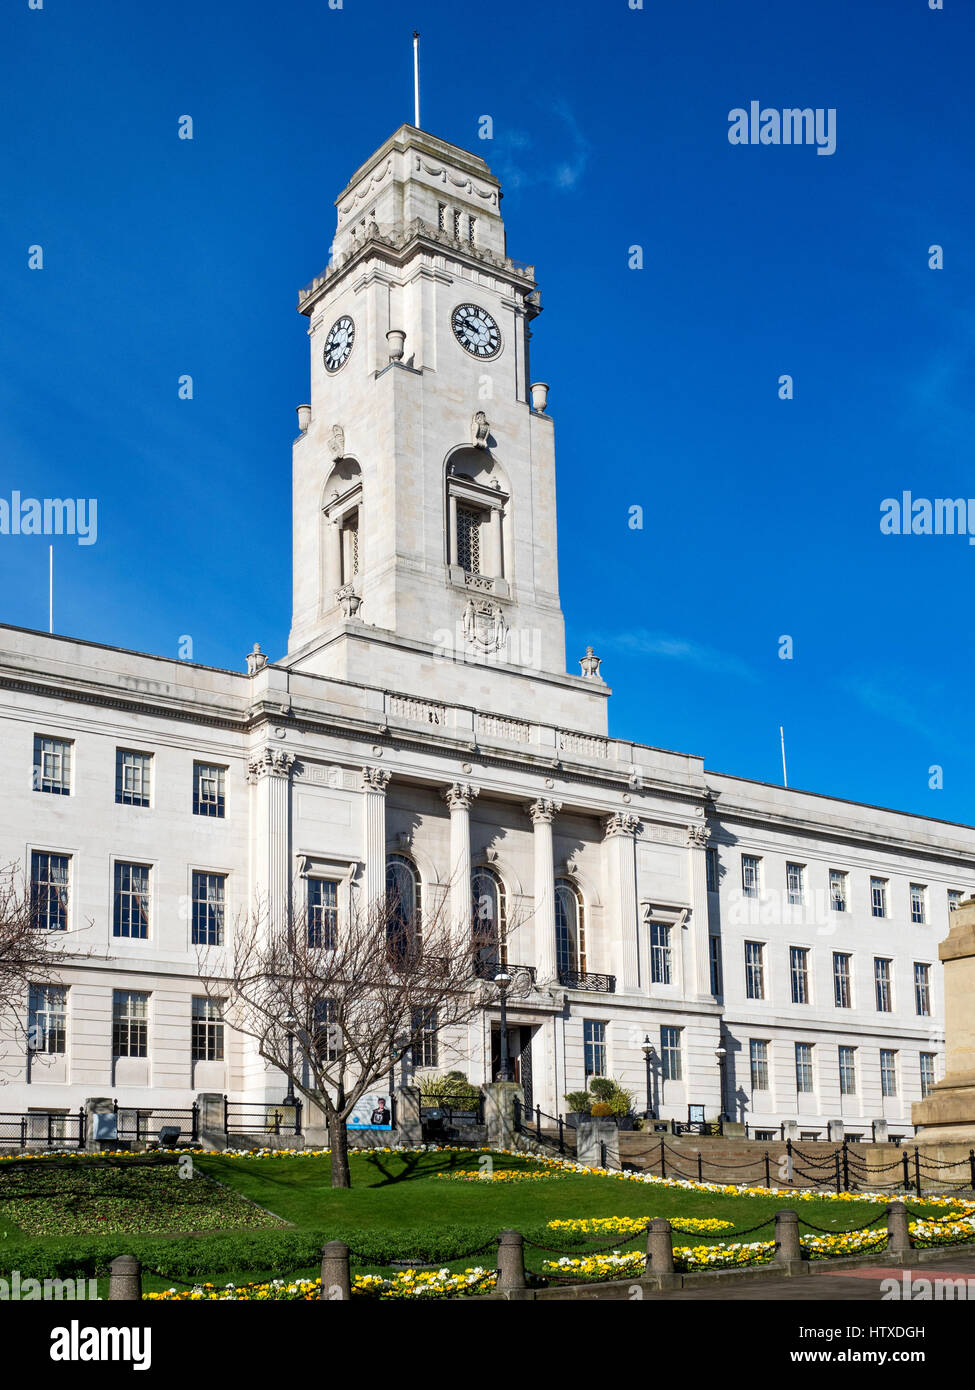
(670, 1054)
(594, 1046)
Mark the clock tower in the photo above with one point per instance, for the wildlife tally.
(424, 475)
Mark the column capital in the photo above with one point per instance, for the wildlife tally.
(622, 823)
(698, 836)
(270, 762)
(542, 811)
(375, 779)
(459, 795)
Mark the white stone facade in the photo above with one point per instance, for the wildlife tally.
(423, 710)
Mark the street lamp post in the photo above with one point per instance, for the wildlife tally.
(648, 1055)
(502, 980)
(290, 1098)
(720, 1054)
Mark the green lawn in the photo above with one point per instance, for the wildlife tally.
(398, 1206)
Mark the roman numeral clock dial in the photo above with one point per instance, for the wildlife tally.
(476, 330)
(338, 344)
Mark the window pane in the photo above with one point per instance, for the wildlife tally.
(49, 890)
(209, 790)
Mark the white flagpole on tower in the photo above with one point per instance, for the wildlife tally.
(50, 588)
(785, 780)
(416, 78)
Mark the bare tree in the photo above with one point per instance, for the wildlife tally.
(351, 996)
(29, 951)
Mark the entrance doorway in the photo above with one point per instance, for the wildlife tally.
(519, 1055)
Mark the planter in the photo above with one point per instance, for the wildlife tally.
(625, 1121)
(573, 1118)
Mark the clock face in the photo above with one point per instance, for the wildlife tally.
(476, 330)
(339, 342)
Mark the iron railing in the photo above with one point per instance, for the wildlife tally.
(587, 980)
(517, 974)
(48, 1129)
(142, 1126)
(261, 1118)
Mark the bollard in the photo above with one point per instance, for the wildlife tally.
(125, 1282)
(660, 1247)
(787, 1247)
(511, 1262)
(898, 1232)
(336, 1284)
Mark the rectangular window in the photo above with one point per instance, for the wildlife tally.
(794, 885)
(848, 1075)
(52, 765)
(131, 900)
(804, 1068)
(47, 1018)
(350, 547)
(209, 790)
(133, 774)
(888, 1072)
(670, 1054)
(209, 898)
(918, 897)
(469, 540)
(207, 1031)
(927, 1073)
(714, 961)
(424, 1029)
(922, 989)
(878, 897)
(837, 890)
(659, 953)
(749, 875)
(881, 979)
(594, 1047)
(842, 993)
(754, 970)
(954, 898)
(758, 1057)
(711, 861)
(49, 890)
(323, 913)
(130, 1023)
(799, 969)
(328, 1034)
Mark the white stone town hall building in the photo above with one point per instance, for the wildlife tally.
(777, 948)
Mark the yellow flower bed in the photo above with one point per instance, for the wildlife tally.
(496, 1175)
(629, 1225)
(411, 1283)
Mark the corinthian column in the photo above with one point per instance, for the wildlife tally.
(459, 798)
(620, 848)
(270, 774)
(697, 848)
(543, 813)
(374, 783)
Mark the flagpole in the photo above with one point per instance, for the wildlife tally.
(416, 78)
(50, 588)
(785, 780)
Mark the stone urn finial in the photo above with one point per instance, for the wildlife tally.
(590, 663)
(256, 660)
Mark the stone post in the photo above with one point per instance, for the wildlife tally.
(835, 1131)
(374, 783)
(459, 797)
(336, 1281)
(598, 1142)
(212, 1117)
(125, 1281)
(499, 1113)
(788, 1251)
(511, 1262)
(542, 814)
(100, 1114)
(409, 1129)
(660, 1247)
(898, 1233)
(621, 831)
(880, 1131)
(790, 1130)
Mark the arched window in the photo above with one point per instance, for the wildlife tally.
(478, 527)
(402, 906)
(570, 927)
(489, 922)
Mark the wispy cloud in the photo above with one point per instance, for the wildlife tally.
(889, 703)
(518, 165)
(681, 649)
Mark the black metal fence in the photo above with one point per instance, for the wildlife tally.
(261, 1118)
(175, 1127)
(46, 1129)
(442, 1117)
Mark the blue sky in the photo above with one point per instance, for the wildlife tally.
(761, 516)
